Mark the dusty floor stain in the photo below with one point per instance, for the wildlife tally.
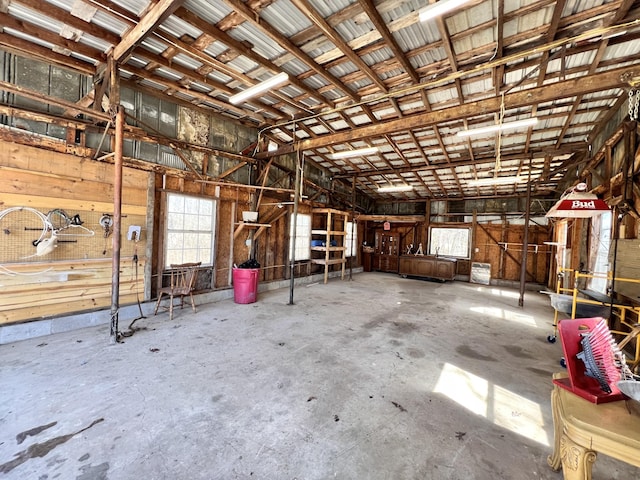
(467, 351)
(90, 472)
(32, 432)
(42, 449)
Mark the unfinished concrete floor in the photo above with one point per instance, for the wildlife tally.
(379, 377)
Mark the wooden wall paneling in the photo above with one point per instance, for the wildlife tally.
(628, 266)
(22, 183)
(44, 203)
(77, 275)
(503, 232)
(228, 265)
(62, 165)
(158, 237)
(71, 287)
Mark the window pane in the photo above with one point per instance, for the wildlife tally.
(175, 222)
(205, 222)
(204, 256)
(189, 255)
(204, 241)
(452, 242)
(175, 203)
(599, 242)
(173, 256)
(190, 229)
(351, 239)
(190, 222)
(206, 208)
(303, 238)
(175, 240)
(191, 205)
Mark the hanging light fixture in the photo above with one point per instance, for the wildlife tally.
(501, 127)
(395, 188)
(353, 153)
(439, 8)
(480, 182)
(578, 203)
(258, 88)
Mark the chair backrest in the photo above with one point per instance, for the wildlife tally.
(183, 277)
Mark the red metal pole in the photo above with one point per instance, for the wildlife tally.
(117, 224)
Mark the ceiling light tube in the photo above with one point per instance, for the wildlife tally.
(439, 8)
(353, 153)
(395, 188)
(498, 128)
(258, 88)
(479, 182)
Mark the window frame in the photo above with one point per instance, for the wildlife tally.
(436, 249)
(600, 240)
(351, 247)
(300, 242)
(209, 231)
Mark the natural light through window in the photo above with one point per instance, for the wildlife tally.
(499, 405)
(499, 293)
(501, 313)
(189, 229)
(302, 239)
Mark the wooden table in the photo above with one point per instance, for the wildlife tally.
(582, 429)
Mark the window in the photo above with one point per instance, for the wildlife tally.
(351, 239)
(452, 242)
(190, 230)
(302, 238)
(599, 243)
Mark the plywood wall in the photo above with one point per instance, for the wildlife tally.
(501, 245)
(233, 239)
(76, 275)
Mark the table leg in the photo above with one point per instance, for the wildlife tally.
(577, 461)
(554, 459)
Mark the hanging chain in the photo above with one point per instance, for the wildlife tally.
(634, 104)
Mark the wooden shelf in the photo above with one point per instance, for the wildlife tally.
(330, 249)
(331, 261)
(255, 225)
(335, 231)
(242, 225)
(328, 232)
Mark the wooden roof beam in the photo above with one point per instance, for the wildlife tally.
(158, 12)
(563, 89)
(244, 50)
(377, 20)
(250, 16)
(305, 7)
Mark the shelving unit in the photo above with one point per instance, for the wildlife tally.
(333, 235)
(248, 225)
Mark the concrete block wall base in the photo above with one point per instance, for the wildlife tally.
(47, 326)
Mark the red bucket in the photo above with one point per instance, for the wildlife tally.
(245, 285)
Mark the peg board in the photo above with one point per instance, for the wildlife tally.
(19, 229)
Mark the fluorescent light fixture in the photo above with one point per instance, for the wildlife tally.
(498, 128)
(439, 8)
(353, 153)
(259, 88)
(395, 188)
(479, 182)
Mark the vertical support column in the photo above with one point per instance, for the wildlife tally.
(117, 224)
(295, 226)
(525, 242)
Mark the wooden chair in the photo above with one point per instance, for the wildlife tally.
(182, 283)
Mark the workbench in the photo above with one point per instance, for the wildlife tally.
(583, 429)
